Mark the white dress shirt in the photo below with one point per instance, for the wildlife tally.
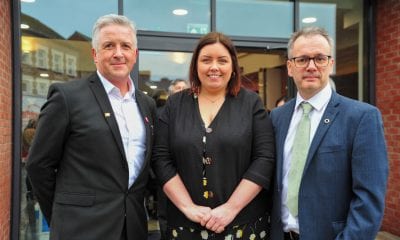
(319, 103)
(130, 124)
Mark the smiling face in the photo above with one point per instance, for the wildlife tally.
(214, 67)
(116, 53)
(310, 79)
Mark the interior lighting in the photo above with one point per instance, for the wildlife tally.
(309, 20)
(180, 12)
(179, 57)
(28, 1)
(24, 26)
(45, 75)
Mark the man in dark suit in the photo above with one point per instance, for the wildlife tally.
(332, 164)
(90, 157)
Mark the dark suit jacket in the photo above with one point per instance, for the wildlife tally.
(78, 166)
(343, 186)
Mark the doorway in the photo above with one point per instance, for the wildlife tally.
(264, 73)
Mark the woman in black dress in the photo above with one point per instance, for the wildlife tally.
(214, 151)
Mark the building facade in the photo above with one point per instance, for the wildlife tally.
(40, 43)
(387, 69)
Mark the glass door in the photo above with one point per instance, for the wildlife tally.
(265, 73)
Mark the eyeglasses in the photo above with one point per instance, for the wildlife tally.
(319, 61)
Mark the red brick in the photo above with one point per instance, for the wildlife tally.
(388, 98)
(5, 116)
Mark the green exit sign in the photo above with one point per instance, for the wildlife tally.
(197, 28)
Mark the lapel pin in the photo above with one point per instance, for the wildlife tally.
(146, 119)
(326, 120)
(107, 114)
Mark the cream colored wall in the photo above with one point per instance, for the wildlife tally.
(255, 62)
(273, 86)
(252, 62)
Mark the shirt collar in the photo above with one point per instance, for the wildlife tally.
(319, 100)
(110, 88)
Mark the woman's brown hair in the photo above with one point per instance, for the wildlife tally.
(211, 38)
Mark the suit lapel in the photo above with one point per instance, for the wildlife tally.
(284, 122)
(147, 119)
(326, 121)
(108, 113)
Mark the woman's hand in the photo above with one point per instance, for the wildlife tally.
(225, 213)
(221, 217)
(196, 213)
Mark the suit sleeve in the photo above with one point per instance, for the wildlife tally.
(262, 167)
(369, 166)
(47, 149)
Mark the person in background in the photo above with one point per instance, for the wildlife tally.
(89, 161)
(280, 101)
(27, 137)
(332, 164)
(214, 151)
(177, 86)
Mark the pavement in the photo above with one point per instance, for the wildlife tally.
(386, 236)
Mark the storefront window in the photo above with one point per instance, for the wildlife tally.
(182, 16)
(255, 18)
(158, 69)
(56, 47)
(344, 22)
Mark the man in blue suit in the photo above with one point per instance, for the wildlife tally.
(342, 179)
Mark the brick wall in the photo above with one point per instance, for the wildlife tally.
(5, 118)
(388, 101)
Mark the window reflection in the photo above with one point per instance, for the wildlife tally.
(255, 18)
(158, 69)
(183, 16)
(344, 22)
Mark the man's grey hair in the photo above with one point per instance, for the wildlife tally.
(112, 19)
(309, 32)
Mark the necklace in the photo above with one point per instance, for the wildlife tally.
(215, 100)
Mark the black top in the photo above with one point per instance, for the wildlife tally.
(239, 141)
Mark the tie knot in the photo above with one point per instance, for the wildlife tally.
(306, 107)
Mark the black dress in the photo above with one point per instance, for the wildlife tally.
(238, 144)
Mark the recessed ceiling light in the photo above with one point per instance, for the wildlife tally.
(309, 20)
(180, 12)
(24, 26)
(153, 87)
(44, 75)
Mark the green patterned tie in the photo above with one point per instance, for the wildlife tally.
(301, 144)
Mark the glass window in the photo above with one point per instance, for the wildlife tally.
(344, 22)
(55, 47)
(183, 16)
(255, 18)
(158, 69)
(64, 18)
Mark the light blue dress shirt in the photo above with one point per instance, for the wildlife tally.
(130, 124)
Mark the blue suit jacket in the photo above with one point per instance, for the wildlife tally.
(343, 186)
